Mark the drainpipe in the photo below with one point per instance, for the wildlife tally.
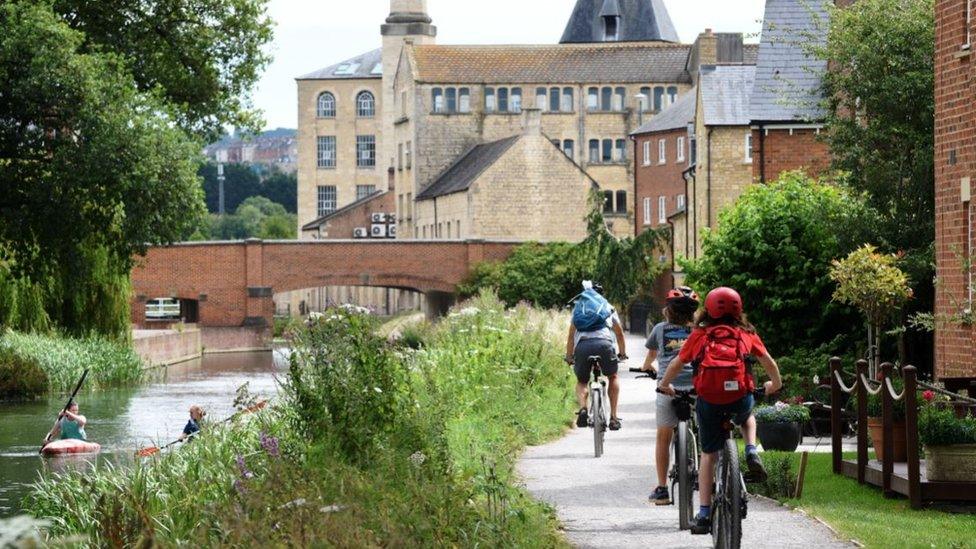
(637, 207)
(708, 182)
(762, 154)
(434, 236)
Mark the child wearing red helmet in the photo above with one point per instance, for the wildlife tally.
(718, 348)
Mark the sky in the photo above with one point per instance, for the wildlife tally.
(312, 34)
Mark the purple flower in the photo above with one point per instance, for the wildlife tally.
(239, 486)
(270, 444)
(242, 467)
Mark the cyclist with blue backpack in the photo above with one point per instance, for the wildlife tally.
(595, 331)
(718, 349)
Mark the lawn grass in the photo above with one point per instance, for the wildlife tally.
(863, 514)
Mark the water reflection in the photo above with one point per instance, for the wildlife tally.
(127, 419)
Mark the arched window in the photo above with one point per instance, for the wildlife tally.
(672, 94)
(451, 94)
(658, 98)
(593, 99)
(567, 105)
(620, 152)
(502, 99)
(554, 100)
(646, 101)
(607, 151)
(594, 151)
(516, 103)
(606, 99)
(619, 99)
(365, 105)
(326, 105)
(437, 98)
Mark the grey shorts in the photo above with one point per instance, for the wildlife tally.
(590, 347)
(664, 413)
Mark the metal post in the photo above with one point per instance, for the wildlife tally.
(220, 187)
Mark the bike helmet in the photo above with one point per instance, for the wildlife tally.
(682, 294)
(723, 302)
(590, 285)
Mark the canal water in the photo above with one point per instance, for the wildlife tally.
(123, 420)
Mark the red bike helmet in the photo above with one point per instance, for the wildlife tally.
(682, 294)
(723, 302)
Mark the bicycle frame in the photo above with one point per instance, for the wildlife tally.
(599, 402)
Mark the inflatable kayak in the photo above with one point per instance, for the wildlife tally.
(70, 446)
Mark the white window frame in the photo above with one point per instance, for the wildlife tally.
(662, 207)
(969, 25)
(748, 148)
(647, 152)
(647, 210)
(325, 155)
(365, 104)
(362, 191)
(681, 149)
(662, 151)
(366, 151)
(327, 199)
(326, 105)
(681, 202)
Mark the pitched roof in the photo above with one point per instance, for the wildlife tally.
(725, 94)
(466, 169)
(640, 21)
(367, 65)
(787, 78)
(676, 116)
(312, 225)
(566, 63)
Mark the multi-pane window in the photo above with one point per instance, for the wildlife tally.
(680, 146)
(607, 201)
(451, 100)
(365, 151)
(662, 209)
(326, 149)
(326, 105)
(681, 202)
(503, 100)
(568, 148)
(647, 153)
(365, 105)
(607, 146)
(620, 150)
(362, 191)
(662, 151)
(647, 210)
(557, 99)
(621, 202)
(594, 157)
(327, 199)
(748, 150)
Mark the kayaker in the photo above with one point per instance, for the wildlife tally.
(193, 426)
(71, 425)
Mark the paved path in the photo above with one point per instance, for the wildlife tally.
(603, 503)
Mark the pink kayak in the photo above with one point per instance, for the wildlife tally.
(71, 446)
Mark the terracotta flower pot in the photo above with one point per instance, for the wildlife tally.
(956, 463)
(784, 437)
(876, 430)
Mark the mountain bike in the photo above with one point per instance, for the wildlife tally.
(684, 464)
(599, 404)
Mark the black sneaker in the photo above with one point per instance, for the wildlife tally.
(701, 525)
(757, 473)
(582, 418)
(614, 424)
(660, 496)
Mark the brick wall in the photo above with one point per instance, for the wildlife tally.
(787, 150)
(342, 225)
(234, 281)
(955, 160)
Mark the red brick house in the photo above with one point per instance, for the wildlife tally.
(786, 111)
(955, 167)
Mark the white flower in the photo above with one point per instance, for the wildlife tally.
(417, 459)
(377, 389)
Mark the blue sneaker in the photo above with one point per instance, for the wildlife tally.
(701, 525)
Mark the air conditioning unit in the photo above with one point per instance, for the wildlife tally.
(379, 218)
(391, 217)
(391, 231)
(360, 232)
(379, 231)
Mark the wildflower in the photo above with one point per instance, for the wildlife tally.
(242, 467)
(417, 458)
(929, 396)
(270, 444)
(239, 487)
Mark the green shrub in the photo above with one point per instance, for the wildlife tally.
(20, 377)
(63, 359)
(802, 368)
(782, 475)
(785, 414)
(286, 326)
(940, 426)
(775, 246)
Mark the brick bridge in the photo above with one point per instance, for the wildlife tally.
(231, 284)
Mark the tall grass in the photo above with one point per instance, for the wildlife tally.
(62, 360)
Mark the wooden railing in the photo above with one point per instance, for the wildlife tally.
(861, 388)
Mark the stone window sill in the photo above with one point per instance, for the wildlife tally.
(964, 52)
(456, 113)
(401, 120)
(326, 167)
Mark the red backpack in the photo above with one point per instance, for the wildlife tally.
(721, 375)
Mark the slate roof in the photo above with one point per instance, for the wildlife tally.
(640, 21)
(466, 169)
(676, 116)
(787, 79)
(564, 64)
(726, 91)
(366, 63)
(312, 225)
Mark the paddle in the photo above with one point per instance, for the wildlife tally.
(153, 450)
(67, 405)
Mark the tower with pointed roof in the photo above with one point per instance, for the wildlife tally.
(619, 21)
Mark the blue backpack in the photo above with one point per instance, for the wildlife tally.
(591, 311)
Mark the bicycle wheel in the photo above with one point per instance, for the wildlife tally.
(727, 527)
(599, 423)
(682, 460)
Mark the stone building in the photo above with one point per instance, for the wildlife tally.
(786, 109)
(955, 168)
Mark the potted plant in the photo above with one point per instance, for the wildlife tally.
(876, 425)
(949, 441)
(780, 426)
